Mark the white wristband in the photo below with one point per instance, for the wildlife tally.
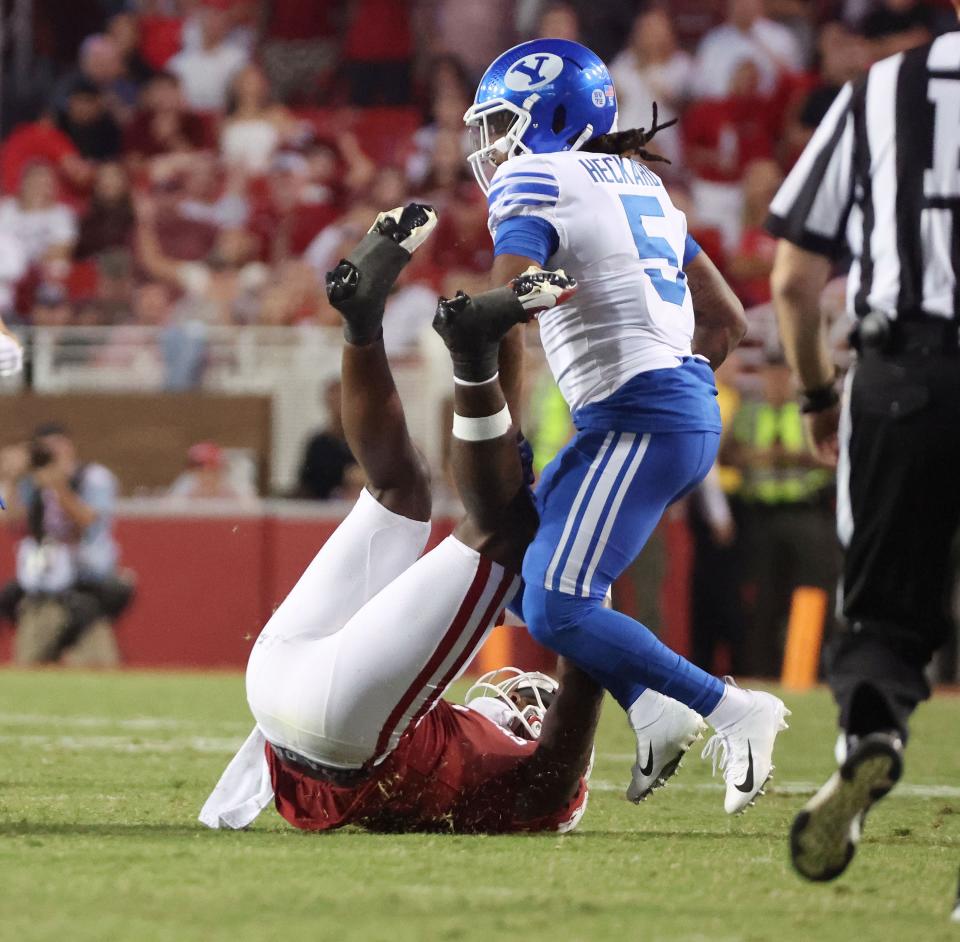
(481, 429)
(483, 382)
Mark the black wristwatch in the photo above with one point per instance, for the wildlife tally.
(819, 399)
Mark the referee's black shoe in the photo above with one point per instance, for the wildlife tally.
(825, 834)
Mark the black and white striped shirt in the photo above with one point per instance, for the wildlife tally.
(881, 178)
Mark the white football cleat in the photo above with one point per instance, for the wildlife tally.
(665, 730)
(744, 750)
(539, 290)
(409, 226)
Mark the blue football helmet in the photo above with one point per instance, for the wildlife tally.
(540, 97)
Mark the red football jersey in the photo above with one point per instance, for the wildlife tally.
(453, 771)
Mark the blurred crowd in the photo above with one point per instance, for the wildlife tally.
(182, 162)
(187, 164)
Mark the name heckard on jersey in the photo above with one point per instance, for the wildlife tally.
(619, 170)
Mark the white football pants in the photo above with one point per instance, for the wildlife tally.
(370, 637)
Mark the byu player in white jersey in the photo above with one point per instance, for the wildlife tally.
(627, 318)
(564, 192)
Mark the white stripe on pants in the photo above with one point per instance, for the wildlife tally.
(596, 490)
(588, 479)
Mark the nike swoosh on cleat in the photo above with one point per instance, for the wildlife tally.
(648, 768)
(746, 786)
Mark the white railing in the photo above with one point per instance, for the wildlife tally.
(445, 506)
(293, 365)
(227, 359)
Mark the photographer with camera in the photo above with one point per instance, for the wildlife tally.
(67, 556)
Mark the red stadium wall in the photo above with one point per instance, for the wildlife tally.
(206, 584)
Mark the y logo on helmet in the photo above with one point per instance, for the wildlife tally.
(533, 71)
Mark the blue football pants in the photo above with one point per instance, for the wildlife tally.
(599, 501)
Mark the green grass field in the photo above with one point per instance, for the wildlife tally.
(101, 778)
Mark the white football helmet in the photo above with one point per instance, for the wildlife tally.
(514, 699)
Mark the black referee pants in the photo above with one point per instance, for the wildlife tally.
(898, 508)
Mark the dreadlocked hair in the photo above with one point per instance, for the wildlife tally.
(631, 143)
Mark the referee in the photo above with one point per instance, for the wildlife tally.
(880, 181)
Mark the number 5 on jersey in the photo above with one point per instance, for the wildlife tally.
(649, 247)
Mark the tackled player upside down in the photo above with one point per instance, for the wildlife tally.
(346, 680)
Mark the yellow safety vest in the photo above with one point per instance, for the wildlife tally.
(763, 426)
(729, 401)
(553, 423)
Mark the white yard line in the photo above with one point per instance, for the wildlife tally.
(87, 721)
(905, 790)
(124, 744)
(225, 745)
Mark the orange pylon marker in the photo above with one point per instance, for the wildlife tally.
(801, 659)
(497, 650)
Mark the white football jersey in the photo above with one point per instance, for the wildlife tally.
(623, 240)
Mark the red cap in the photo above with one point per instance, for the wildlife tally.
(205, 455)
